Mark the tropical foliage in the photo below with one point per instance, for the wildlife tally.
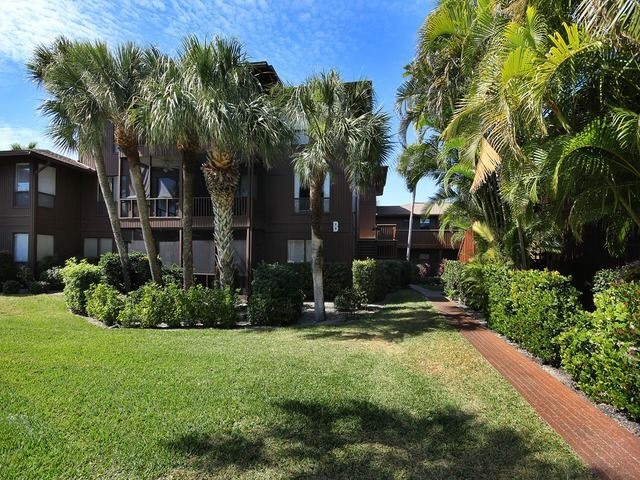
(536, 108)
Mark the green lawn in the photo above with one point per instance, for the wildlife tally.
(399, 395)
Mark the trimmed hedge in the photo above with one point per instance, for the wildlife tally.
(111, 270)
(39, 287)
(336, 278)
(11, 287)
(211, 307)
(277, 297)
(78, 277)
(7, 267)
(104, 303)
(453, 279)
(602, 352)
(350, 300)
(377, 278)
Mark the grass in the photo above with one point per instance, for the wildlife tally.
(397, 395)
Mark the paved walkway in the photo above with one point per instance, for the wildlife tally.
(610, 450)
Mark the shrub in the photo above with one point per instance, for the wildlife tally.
(25, 275)
(602, 352)
(212, 307)
(173, 274)
(7, 267)
(104, 303)
(78, 277)
(276, 296)
(11, 287)
(453, 278)
(48, 262)
(336, 277)
(364, 278)
(350, 300)
(139, 271)
(53, 276)
(607, 277)
(497, 285)
(38, 287)
(422, 272)
(544, 305)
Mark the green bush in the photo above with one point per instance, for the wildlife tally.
(53, 276)
(48, 262)
(139, 271)
(544, 304)
(104, 303)
(25, 275)
(607, 277)
(602, 352)
(11, 287)
(78, 277)
(211, 307)
(350, 300)
(336, 277)
(173, 274)
(364, 278)
(7, 267)
(497, 285)
(453, 279)
(276, 297)
(38, 287)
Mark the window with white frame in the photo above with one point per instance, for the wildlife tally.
(21, 247)
(301, 195)
(425, 222)
(22, 185)
(46, 187)
(94, 247)
(44, 246)
(298, 251)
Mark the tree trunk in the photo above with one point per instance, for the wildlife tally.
(413, 204)
(222, 185)
(317, 247)
(133, 160)
(188, 167)
(114, 220)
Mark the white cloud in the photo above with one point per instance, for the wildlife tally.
(23, 135)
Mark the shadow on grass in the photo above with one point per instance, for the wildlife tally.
(358, 439)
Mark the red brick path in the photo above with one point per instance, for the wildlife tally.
(611, 451)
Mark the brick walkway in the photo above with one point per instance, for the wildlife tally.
(610, 450)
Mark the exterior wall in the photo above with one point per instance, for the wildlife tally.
(94, 222)
(275, 201)
(13, 220)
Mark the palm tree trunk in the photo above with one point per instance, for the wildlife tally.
(133, 160)
(188, 167)
(413, 204)
(317, 247)
(222, 185)
(114, 220)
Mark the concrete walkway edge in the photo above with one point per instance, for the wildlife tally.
(608, 449)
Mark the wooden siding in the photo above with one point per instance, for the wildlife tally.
(12, 220)
(367, 217)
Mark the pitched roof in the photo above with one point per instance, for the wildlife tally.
(420, 208)
(47, 156)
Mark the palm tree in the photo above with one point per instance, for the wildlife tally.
(77, 122)
(242, 125)
(415, 163)
(30, 146)
(344, 133)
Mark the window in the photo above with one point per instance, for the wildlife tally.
(21, 247)
(46, 187)
(425, 222)
(301, 194)
(298, 251)
(23, 185)
(44, 246)
(94, 247)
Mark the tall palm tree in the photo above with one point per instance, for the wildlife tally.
(29, 146)
(416, 162)
(77, 122)
(242, 125)
(344, 133)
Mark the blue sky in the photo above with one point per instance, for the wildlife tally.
(362, 39)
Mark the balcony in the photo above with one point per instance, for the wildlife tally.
(202, 207)
(386, 232)
(425, 238)
(303, 205)
(158, 208)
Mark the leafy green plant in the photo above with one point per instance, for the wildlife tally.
(104, 303)
(11, 287)
(602, 351)
(38, 287)
(276, 297)
(53, 276)
(453, 278)
(78, 277)
(364, 278)
(25, 275)
(606, 277)
(350, 300)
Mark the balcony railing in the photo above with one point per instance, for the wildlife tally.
(202, 206)
(386, 232)
(158, 207)
(303, 205)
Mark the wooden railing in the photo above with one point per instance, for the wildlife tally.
(158, 207)
(386, 232)
(202, 207)
(425, 238)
